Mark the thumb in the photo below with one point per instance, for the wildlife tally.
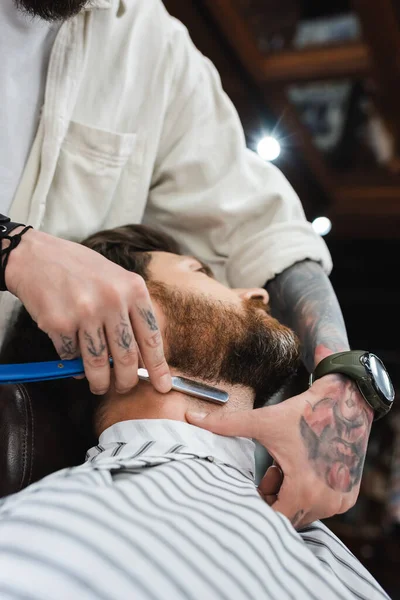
(272, 481)
(289, 503)
(242, 423)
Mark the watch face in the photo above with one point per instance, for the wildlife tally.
(381, 377)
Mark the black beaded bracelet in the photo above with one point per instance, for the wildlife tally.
(6, 226)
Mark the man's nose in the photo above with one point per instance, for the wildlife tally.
(252, 293)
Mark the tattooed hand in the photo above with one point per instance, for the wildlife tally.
(335, 431)
(318, 439)
(89, 305)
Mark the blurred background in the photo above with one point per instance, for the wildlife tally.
(318, 84)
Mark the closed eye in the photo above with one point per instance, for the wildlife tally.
(202, 268)
(206, 270)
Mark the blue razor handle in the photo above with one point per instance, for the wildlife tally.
(41, 371)
(63, 369)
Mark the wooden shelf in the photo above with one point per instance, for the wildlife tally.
(319, 63)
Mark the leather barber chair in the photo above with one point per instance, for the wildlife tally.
(44, 426)
(39, 434)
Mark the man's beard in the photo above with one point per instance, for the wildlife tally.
(51, 10)
(208, 340)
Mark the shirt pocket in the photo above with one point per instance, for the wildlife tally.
(89, 168)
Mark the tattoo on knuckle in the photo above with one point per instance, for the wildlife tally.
(69, 346)
(149, 318)
(95, 344)
(124, 335)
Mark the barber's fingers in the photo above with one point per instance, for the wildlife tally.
(257, 424)
(69, 289)
(67, 347)
(134, 339)
(66, 344)
(124, 350)
(95, 355)
(149, 339)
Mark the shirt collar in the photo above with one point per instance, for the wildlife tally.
(163, 436)
(96, 4)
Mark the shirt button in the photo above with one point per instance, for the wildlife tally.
(211, 458)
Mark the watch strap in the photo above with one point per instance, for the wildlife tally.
(335, 363)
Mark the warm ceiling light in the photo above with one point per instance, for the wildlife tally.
(322, 225)
(269, 148)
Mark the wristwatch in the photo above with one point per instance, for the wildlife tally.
(369, 373)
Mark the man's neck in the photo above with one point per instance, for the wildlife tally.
(144, 402)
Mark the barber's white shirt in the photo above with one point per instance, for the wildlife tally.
(136, 127)
(162, 510)
(25, 46)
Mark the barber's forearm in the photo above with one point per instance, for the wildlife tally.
(303, 298)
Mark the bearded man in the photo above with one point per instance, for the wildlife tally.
(161, 508)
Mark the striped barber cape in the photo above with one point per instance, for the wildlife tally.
(163, 510)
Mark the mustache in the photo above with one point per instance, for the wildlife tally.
(257, 304)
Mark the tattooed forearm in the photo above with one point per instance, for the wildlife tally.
(124, 335)
(148, 316)
(335, 428)
(335, 431)
(97, 346)
(303, 298)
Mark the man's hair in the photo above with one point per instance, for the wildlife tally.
(128, 246)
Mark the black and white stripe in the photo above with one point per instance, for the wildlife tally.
(163, 510)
